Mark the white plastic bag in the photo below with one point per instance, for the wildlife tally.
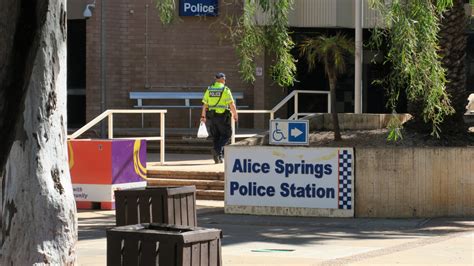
(202, 132)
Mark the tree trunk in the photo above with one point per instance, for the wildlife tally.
(453, 41)
(18, 36)
(335, 118)
(39, 215)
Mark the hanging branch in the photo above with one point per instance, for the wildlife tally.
(279, 42)
(166, 10)
(249, 41)
(412, 35)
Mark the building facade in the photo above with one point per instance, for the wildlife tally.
(130, 50)
(123, 47)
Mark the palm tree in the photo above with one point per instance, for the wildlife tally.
(452, 42)
(332, 51)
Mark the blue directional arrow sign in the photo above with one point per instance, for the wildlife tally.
(289, 132)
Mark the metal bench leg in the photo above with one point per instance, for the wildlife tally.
(140, 103)
(187, 103)
(190, 118)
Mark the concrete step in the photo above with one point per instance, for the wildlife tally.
(163, 174)
(210, 194)
(200, 184)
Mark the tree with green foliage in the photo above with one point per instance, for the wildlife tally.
(427, 47)
(333, 52)
(419, 66)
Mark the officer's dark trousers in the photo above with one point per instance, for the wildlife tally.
(221, 132)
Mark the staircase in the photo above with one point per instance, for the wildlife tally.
(209, 185)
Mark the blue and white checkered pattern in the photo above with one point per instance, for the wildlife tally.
(345, 180)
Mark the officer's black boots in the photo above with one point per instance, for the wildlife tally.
(216, 157)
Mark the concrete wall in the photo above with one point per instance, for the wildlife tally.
(414, 182)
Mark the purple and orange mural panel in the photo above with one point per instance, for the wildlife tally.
(98, 167)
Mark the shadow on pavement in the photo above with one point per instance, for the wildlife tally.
(93, 224)
(294, 230)
(305, 230)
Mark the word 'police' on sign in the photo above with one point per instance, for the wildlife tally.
(198, 8)
(289, 177)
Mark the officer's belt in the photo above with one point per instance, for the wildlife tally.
(218, 107)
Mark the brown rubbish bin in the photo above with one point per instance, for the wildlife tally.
(168, 205)
(164, 245)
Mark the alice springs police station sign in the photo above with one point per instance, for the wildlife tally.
(189, 8)
(289, 180)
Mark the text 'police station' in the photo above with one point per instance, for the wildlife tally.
(286, 190)
(280, 167)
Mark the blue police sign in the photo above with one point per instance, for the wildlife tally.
(289, 132)
(189, 8)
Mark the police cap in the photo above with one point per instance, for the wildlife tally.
(220, 76)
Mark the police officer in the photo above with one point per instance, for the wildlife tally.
(218, 104)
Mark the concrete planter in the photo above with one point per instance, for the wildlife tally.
(399, 182)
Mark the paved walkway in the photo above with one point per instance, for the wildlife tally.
(263, 240)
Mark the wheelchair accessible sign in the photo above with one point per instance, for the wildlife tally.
(289, 132)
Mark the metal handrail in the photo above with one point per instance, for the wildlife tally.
(109, 114)
(277, 107)
(234, 136)
(295, 94)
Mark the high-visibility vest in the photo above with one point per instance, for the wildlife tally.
(218, 97)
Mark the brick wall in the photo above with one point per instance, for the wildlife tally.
(183, 56)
